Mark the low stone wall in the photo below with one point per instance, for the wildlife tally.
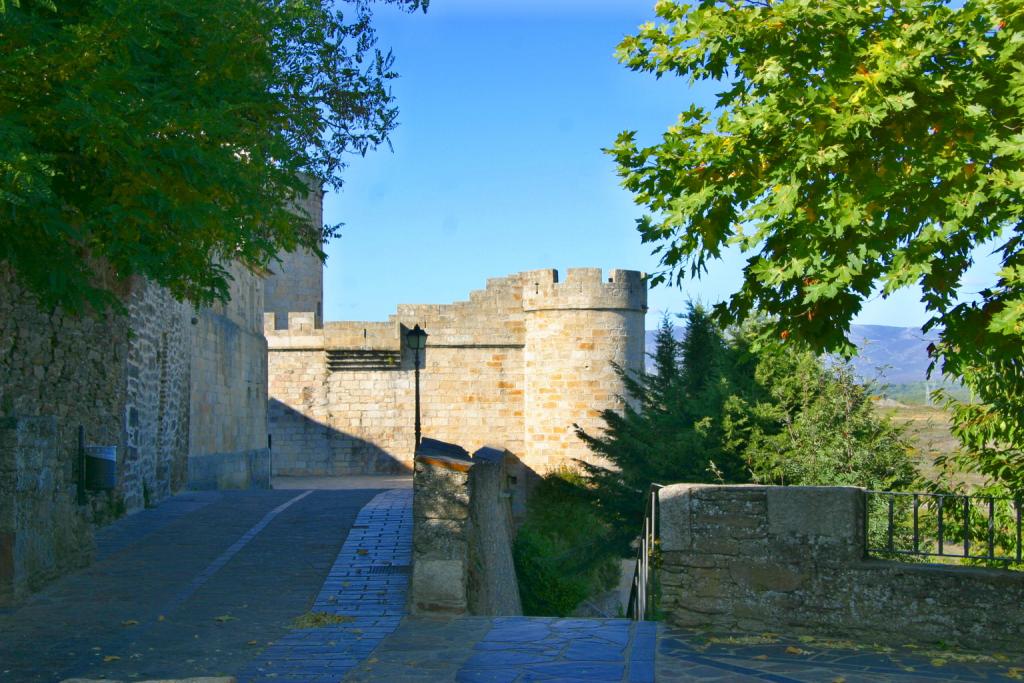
(233, 470)
(462, 536)
(792, 560)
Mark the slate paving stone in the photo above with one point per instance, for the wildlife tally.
(372, 603)
(679, 650)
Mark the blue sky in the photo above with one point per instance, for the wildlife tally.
(497, 164)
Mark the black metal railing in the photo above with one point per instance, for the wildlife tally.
(643, 595)
(985, 529)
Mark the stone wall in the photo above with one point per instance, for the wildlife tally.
(792, 560)
(157, 383)
(57, 372)
(516, 365)
(153, 450)
(462, 536)
(228, 402)
(296, 283)
(42, 533)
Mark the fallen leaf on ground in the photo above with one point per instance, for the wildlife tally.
(938, 662)
(791, 650)
(225, 617)
(838, 679)
(318, 619)
(1015, 674)
(161, 618)
(761, 657)
(362, 551)
(129, 622)
(252, 642)
(111, 658)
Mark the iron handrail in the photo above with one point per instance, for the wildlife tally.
(641, 597)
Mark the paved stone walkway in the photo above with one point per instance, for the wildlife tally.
(365, 590)
(506, 649)
(520, 649)
(199, 585)
(193, 587)
(689, 656)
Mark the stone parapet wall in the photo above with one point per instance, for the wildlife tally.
(493, 372)
(584, 288)
(492, 588)
(792, 560)
(462, 533)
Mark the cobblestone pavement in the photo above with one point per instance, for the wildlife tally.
(365, 590)
(193, 587)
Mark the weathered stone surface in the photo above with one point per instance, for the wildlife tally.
(440, 531)
(439, 538)
(831, 513)
(445, 492)
(159, 383)
(438, 585)
(515, 366)
(492, 587)
(808, 573)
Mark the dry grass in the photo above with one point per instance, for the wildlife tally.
(929, 429)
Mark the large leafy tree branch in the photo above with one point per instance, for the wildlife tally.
(856, 146)
(167, 138)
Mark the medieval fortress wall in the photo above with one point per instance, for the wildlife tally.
(515, 366)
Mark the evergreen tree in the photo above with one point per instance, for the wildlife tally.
(671, 431)
(720, 409)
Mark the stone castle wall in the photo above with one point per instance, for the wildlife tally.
(514, 366)
(166, 391)
(227, 439)
(153, 450)
(297, 283)
(56, 372)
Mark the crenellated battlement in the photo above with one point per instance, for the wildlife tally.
(584, 288)
(518, 363)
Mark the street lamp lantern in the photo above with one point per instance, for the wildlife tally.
(416, 339)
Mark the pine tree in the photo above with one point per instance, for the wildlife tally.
(672, 431)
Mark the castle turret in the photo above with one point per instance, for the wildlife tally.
(575, 330)
(297, 282)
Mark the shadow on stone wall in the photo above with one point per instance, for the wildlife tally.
(304, 447)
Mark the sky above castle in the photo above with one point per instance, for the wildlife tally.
(497, 166)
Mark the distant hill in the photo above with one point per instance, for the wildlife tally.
(890, 355)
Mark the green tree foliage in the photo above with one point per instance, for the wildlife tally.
(715, 410)
(814, 425)
(856, 146)
(561, 553)
(673, 429)
(166, 138)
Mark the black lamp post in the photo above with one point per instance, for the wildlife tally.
(416, 338)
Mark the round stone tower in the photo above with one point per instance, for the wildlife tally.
(574, 331)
